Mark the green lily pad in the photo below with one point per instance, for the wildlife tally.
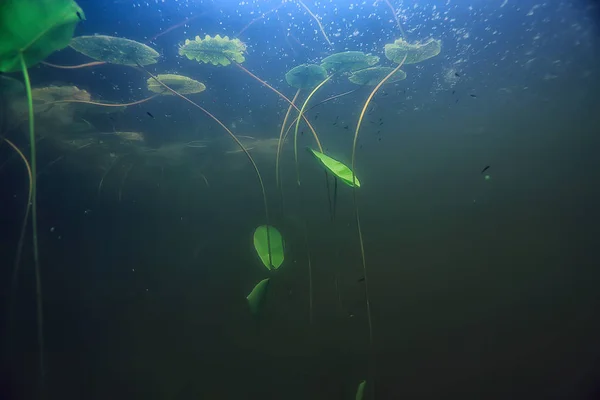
(262, 246)
(414, 52)
(348, 61)
(115, 50)
(305, 76)
(214, 50)
(337, 168)
(36, 29)
(181, 84)
(372, 76)
(360, 392)
(257, 296)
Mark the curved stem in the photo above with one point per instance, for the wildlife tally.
(17, 264)
(94, 103)
(36, 259)
(259, 18)
(298, 124)
(360, 235)
(289, 102)
(280, 142)
(90, 64)
(237, 141)
(316, 19)
(396, 18)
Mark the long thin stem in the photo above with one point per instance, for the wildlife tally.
(396, 18)
(280, 142)
(95, 103)
(298, 124)
(316, 19)
(36, 259)
(259, 18)
(289, 102)
(17, 264)
(237, 141)
(360, 235)
(90, 64)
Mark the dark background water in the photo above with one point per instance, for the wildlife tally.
(479, 289)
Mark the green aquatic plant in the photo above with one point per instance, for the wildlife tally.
(181, 84)
(372, 76)
(348, 61)
(115, 50)
(354, 199)
(305, 76)
(337, 168)
(214, 50)
(31, 30)
(360, 391)
(265, 237)
(257, 296)
(413, 52)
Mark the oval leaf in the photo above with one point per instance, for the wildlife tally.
(36, 29)
(360, 392)
(337, 168)
(261, 245)
(257, 296)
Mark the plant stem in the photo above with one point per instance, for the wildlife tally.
(36, 259)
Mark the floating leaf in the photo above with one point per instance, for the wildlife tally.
(372, 76)
(36, 29)
(115, 50)
(179, 83)
(360, 392)
(337, 168)
(305, 76)
(348, 61)
(214, 50)
(256, 298)
(414, 52)
(261, 245)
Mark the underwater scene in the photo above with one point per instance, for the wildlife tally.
(299, 199)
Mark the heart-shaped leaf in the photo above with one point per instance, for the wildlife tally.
(261, 244)
(337, 168)
(257, 296)
(35, 29)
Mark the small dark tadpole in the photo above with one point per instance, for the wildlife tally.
(381, 123)
(457, 74)
(150, 115)
(454, 91)
(79, 15)
(378, 132)
(302, 133)
(456, 101)
(472, 95)
(485, 169)
(346, 127)
(316, 116)
(361, 279)
(380, 139)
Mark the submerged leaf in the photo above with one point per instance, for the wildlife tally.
(256, 298)
(337, 168)
(348, 61)
(115, 50)
(179, 83)
(372, 76)
(360, 392)
(214, 50)
(35, 29)
(261, 245)
(414, 53)
(305, 76)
